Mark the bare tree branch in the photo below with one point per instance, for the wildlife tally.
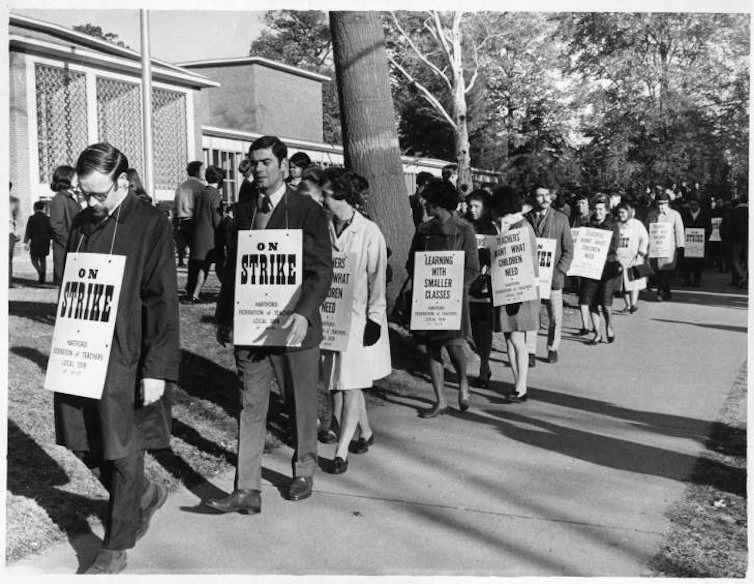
(426, 93)
(434, 68)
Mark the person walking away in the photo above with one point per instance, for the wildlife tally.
(295, 366)
(664, 267)
(551, 224)
(63, 208)
(418, 209)
(183, 209)
(206, 219)
(136, 186)
(445, 231)
(367, 356)
(598, 294)
(110, 435)
(37, 240)
(632, 251)
(480, 290)
(247, 189)
(513, 320)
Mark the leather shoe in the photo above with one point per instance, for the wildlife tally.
(360, 446)
(433, 412)
(159, 496)
(516, 398)
(244, 501)
(108, 562)
(327, 436)
(552, 356)
(301, 488)
(532, 361)
(339, 466)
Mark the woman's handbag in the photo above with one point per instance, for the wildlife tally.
(640, 271)
(611, 270)
(481, 287)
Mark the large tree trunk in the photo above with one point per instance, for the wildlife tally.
(370, 139)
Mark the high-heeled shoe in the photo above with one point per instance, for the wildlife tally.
(483, 381)
(433, 412)
(610, 338)
(517, 398)
(464, 402)
(595, 341)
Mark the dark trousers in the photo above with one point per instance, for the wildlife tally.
(125, 481)
(58, 262)
(663, 282)
(185, 237)
(297, 373)
(40, 264)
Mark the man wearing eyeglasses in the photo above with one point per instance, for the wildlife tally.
(111, 434)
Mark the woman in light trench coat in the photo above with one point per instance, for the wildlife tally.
(367, 356)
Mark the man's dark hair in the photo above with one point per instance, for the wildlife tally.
(279, 149)
(479, 195)
(245, 166)
(39, 206)
(62, 177)
(506, 200)
(214, 174)
(194, 168)
(102, 157)
(300, 159)
(441, 193)
(423, 177)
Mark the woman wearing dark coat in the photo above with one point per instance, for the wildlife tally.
(207, 216)
(63, 208)
(446, 232)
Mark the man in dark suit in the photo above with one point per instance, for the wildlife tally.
(694, 217)
(296, 365)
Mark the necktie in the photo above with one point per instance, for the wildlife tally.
(266, 204)
(263, 213)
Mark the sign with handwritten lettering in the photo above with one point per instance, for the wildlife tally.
(661, 240)
(337, 308)
(85, 324)
(715, 233)
(513, 276)
(438, 291)
(590, 252)
(546, 248)
(268, 285)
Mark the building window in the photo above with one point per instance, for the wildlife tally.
(119, 118)
(170, 148)
(61, 118)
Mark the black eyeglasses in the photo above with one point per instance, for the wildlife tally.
(98, 196)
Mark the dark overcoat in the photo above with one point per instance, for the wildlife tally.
(146, 343)
(207, 216)
(39, 233)
(293, 211)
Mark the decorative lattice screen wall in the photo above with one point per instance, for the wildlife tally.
(169, 131)
(61, 118)
(119, 117)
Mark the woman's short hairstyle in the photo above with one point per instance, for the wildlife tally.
(440, 193)
(62, 178)
(136, 185)
(314, 173)
(506, 200)
(423, 177)
(345, 187)
(599, 198)
(102, 157)
(214, 174)
(479, 195)
(623, 205)
(300, 159)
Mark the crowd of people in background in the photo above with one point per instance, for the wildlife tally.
(328, 206)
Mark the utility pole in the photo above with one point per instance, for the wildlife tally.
(146, 111)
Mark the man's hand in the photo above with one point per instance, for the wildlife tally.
(299, 326)
(223, 333)
(27, 245)
(152, 390)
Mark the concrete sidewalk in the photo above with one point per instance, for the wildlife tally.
(575, 482)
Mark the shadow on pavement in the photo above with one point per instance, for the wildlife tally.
(33, 474)
(42, 312)
(722, 327)
(34, 355)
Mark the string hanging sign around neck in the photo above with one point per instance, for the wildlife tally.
(85, 320)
